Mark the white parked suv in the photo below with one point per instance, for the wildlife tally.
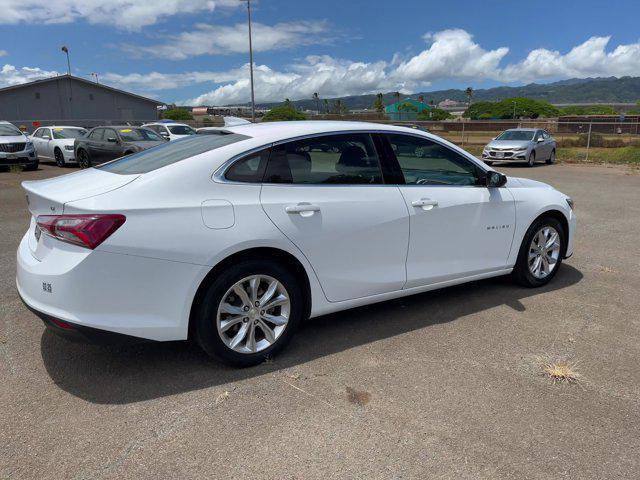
(233, 239)
(16, 148)
(170, 130)
(56, 143)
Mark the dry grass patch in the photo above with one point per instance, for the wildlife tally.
(560, 371)
(358, 397)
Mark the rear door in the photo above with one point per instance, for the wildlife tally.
(327, 195)
(459, 227)
(94, 144)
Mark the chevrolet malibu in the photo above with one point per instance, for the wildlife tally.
(231, 240)
(521, 145)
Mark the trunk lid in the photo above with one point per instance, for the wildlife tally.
(47, 197)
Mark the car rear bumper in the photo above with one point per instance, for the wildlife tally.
(124, 294)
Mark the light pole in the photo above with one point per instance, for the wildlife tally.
(66, 50)
(253, 99)
(95, 75)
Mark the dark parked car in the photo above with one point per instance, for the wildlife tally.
(102, 144)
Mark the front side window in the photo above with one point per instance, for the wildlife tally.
(96, 134)
(425, 162)
(168, 153)
(38, 133)
(330, 159)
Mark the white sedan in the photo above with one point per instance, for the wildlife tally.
(233, 239)
(170, 130)
(56, 143)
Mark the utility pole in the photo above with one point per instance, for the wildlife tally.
(66, 50)
(253, 99)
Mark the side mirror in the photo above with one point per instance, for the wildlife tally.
(540, 139)
(112, 140)
(495, 179)
(165, 135)
(46, 137)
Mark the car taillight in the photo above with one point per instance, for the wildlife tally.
(85, 230)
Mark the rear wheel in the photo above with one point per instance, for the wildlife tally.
(552, 158)
(84, 161)
(532, 159)
(57, 154)
(32, 166)
(541, 253)
(249, 313)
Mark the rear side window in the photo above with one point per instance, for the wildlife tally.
(330, 159)
(96, 134)
(168, 153)
(249, 169)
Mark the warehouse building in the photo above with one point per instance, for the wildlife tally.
(66, 99)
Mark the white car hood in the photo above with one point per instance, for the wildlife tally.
(517, 182)
(15, 139)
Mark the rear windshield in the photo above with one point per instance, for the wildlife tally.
(168, 153)
(516, 135)
(181, 130)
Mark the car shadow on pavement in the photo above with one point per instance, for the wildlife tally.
(120, 375)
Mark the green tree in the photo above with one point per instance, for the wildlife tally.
(178, 114)
(378, 103)
(326, 105)
(339, 107)
(407, 107)
(510, 107)
(435, 114)
(283, 113)
(469, 93)
(316, 97)
(588, 110)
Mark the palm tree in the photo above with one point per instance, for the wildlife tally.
(326, 105)
(397, 95)
(421, 98)
(378, 104)
(316, 97)
(469, 93)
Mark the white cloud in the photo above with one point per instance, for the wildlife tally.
(125, 14)
(10, 75)
(452, 54)
(3, 53)
(207, 39)
(589, 59)
(156, 81)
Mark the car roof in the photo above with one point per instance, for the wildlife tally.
(522, 129)
(166, 124)
(62, 126)
(275, 131)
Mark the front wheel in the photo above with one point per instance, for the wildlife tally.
(552, 158)
(57, 154)
(488, 162)
(249, 312)
(541, 253)
(84, 161)
(532, 159)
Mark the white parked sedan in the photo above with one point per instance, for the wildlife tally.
(233, 239)
(170, 130)
(56, 143)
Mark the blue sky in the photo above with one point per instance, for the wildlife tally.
(195, 50)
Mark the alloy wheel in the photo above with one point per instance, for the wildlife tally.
(544, 252)
(59, 158)
(253, 314)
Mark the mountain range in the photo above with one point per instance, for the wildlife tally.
(586, 90)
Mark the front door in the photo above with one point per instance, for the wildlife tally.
(326, 194)
(459, 227)
(94, 145)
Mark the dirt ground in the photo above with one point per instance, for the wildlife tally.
(446, 384)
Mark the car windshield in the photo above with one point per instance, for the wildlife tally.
(60, 133)
(9, 131)
(516, 135)
(168, 153)
(139, 135)
(181, 130)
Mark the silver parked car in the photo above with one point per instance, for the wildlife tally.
(521, 145)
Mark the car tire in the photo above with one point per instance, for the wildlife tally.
(532, 159)
(83, 158)
(524, 271)
(552, 157)
(210, 318)
(59, 157)
(32, 166)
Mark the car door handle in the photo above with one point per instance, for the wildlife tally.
(302, 208)
(425, 203)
